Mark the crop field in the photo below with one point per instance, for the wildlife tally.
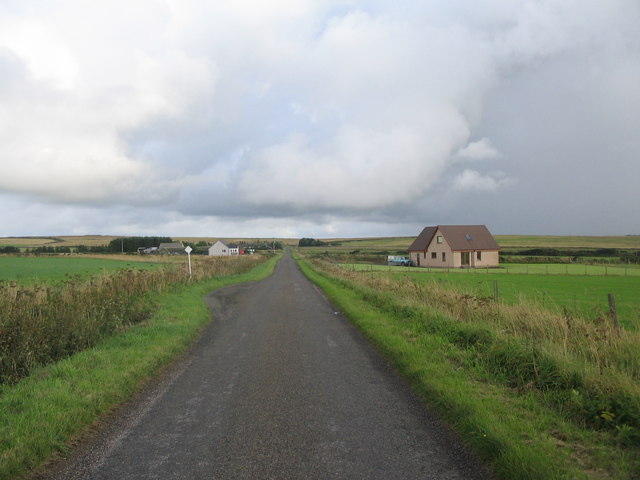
(31, 270)
(59, 241)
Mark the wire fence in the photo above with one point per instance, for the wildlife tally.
(512, 268)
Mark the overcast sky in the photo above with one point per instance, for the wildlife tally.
(322, 118)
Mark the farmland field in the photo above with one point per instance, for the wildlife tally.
(25, 244)
(400, 244)
(60, 241)
(30, 270)
(583, 295)
(579, 293)
(550, 241)
(348, 244)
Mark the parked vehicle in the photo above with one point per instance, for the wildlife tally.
(395, 260)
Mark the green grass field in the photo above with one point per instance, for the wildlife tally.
(547, 285)
(583, 295)
(31, 270)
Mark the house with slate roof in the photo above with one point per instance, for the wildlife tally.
(455, 246)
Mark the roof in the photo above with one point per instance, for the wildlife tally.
(459, 237)
(228, 245)
(424, 239)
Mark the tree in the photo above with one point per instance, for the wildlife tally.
(131, 244)
(310, 242)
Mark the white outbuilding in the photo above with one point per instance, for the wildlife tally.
(221, 249)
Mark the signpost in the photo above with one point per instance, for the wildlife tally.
(189, 250)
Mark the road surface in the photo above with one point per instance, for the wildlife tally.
(279, 386)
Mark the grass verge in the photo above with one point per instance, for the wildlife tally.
(523, 427)
(41, 414)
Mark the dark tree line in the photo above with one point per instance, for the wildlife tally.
(311, 242)
(131, 244)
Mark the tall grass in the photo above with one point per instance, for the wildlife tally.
(583, 369)
(44, 323)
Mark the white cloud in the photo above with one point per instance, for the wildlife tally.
(302, 107)
(479, 150)
(470, 180)
(63, 122)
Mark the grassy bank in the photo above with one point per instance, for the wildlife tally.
(42, 413)
(538, 395)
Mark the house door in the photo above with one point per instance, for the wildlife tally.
(465, 259)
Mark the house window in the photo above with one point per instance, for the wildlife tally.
(424, 255)
(439, 239)
(434, 255)
(479, 255)
(444, 256)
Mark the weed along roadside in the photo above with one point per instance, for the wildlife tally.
(42, 412)
(537, 393)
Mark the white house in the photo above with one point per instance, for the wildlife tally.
(221, 249)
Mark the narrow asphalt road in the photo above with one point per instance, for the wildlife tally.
(279, 386)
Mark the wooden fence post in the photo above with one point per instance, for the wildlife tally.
(612, 311)
(496, 293)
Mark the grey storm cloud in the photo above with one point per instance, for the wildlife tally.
(321, 114)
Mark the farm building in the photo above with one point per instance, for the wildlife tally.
(455, 246)
(175, 248)
(220, 249)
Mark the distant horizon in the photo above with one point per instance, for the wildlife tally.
(304, 236)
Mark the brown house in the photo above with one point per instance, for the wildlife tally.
(455, 246)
